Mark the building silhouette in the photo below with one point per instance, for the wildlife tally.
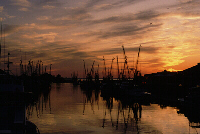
(173, 83)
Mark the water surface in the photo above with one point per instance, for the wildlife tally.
(67, 109)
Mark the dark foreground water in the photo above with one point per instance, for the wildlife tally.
(69, 110)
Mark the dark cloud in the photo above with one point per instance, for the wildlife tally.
(147, 15)
(153, 63)
(126, 30)
(41, 55)
(156, 65)
(114, 19)
(83, 12)
(171, 47)
(107, 51)
(92, 3)
(9, 29)
(82, 55)
(126, 25)
(42, 3)
(18, 53)
(67, 51)
(114, 51)
(79, 14)
(128, 17)
(116, 4)
(186, 3)
(185, 8)
(150, 50)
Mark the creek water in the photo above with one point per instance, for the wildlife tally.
(67, 109)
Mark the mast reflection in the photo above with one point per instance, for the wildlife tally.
(40, 101)
(128, 116)
(91, 96)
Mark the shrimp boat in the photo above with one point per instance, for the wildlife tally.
(13, 114)
(9, 83)
(13, 105)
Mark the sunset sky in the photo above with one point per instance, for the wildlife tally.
(66, 32)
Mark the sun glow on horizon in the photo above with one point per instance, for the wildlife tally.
(173, 70)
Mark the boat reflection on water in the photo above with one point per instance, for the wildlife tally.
(39, 102)
(13, 114)
(13, 102)
(91, 96)
(190, 107)
(129, 112)
(129, 116)
(124, 115)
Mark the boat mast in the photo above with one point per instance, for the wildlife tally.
(0, 43)
(4, 49)
(136, 70)
(111, 67)
(125, 62)
(118, 68)
(84, 71)
(25, 63)
(104, 67)
(8, 64)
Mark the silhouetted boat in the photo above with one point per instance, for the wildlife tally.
(12, 106)
(13, 112)
(13, 117)
(9, 82)
(128, 89)
(193, 98)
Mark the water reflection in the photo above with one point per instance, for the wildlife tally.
(58, 87)
(40, 102)
(69, 109)
(126, 118)
(192, 113)
(91, 96)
